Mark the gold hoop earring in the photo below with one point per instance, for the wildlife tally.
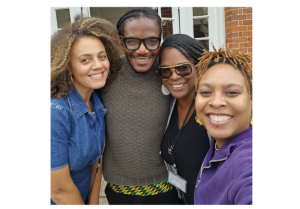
(198, 120)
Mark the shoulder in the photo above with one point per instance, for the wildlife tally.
(59, 108)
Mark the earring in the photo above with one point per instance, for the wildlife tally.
(198, 120)
(251, 122)
(71, 78)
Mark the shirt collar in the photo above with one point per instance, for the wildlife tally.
(78, 105)
(225, 150)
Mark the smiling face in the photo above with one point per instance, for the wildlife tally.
(223, 88)
(142, 58)
(89, 64)
(180, 87)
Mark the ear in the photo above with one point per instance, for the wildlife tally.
(121, 38)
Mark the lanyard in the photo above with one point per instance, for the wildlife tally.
(171, 149)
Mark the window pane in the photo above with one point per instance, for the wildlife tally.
(62, 17)
(166, 11)
(205, 43)
(167, 28)
(200, 11)
(201, 28)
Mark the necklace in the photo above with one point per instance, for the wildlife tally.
(216, 147)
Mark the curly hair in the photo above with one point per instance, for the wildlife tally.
(234, 57)
(137, 13)
(61, 45)
(187, 45)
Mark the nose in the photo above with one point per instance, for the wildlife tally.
(217, 100)
(174, 75)
(97, 64)
(142, 49)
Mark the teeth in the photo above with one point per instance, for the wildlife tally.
(142, 60)
(177, 86)
(219, 117)
(96, 76)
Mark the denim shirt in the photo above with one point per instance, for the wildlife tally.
(77, 136)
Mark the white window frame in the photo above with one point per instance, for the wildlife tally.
(73, 12)
(174, 19)
(216, 22)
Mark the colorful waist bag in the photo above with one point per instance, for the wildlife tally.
(148, 190)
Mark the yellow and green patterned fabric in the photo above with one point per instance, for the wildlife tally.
(148, 190)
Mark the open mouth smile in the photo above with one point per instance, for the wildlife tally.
(97, 76)
(219, 120)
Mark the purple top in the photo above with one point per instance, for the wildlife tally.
(226, 176)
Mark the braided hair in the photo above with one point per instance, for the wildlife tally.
(61, 45)
(137, 13)
(189, 47)
(234, 57)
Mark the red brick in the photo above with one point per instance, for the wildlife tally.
(240, 23)
(234, 35)
(237, 17)
(235, 29)
(229, 40)
(250, 50)
(234, 23)
(243, 50)
(234, 46)
(249, 39)
(240, 11)
(250, 27)
(240, 34)
(226, 9)
(248, 33)
(227, 24)
(234, 11)
(249, 16)
(247, 22)
(239, 40)
(228, 30)
(247, 10)
(247, 44)
(227, 14)
(226, 19)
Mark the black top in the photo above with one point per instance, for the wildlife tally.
(190, 150)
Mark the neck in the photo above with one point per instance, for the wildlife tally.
(185, 102)
(85, 94)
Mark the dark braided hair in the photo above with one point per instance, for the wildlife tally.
(234, 57)
(188, 46)
(137, 13)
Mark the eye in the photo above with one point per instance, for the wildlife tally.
(205, 93)
(102, 57)
(86, 60)
(232, 93)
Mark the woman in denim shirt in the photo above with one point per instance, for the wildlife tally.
(84, 57)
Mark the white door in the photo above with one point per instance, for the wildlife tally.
(205, 24)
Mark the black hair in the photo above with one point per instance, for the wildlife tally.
(137, 13)
(188, 46)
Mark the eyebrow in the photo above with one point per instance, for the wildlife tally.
(176, 64)
(226, 86)
(90, 54)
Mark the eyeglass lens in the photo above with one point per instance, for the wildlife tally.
(133, 44)
(181, 70)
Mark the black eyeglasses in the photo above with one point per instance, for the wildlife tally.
(184, 69)
(151, 43)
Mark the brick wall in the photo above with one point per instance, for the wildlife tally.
(238, 28)
(167, 25)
